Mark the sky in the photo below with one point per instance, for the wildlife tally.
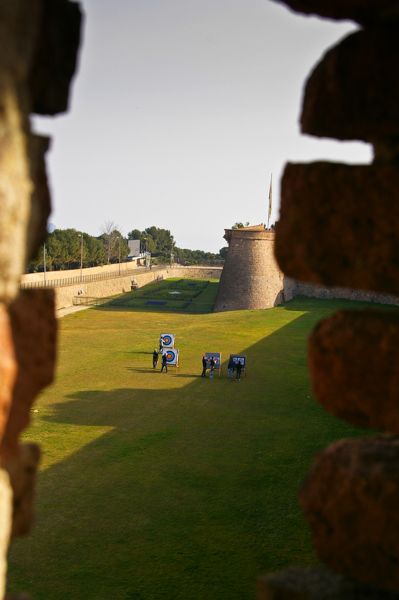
(181, 110)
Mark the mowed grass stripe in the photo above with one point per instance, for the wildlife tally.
(159, 486)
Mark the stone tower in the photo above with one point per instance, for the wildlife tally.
(251, 278)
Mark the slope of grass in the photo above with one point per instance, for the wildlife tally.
(158, 486)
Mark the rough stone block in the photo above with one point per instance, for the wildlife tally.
(353, 359)
(339, 225)
(18, 34)
(19, 22)
(5, 525)
(22, 472)
(34, 330)
(316, 583)
(350, 500)
(8, 368)
(41, 203)
(353, 92)
(56, 56)
(366, 12)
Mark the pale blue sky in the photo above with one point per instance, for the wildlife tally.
(180, 111)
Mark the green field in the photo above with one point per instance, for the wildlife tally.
(188, 295)
(169, 486)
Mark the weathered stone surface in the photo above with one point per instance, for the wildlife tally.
(366, 12)
(19, 28)
(353, 359)
(41, 203)
(56, 55)
(313, 290)
(250, 278)
(350, 500)
(19, 22)
(353, 92)
(338, 225)
(22, 472)
(8, 368)
(34, 336)
(5, 526)
(316, 583)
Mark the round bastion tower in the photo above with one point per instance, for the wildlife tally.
(251, 278)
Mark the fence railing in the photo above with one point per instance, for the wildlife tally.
(53, 283)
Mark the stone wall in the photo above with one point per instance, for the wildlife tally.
(252, 279)
(339, 226)
(39, 40)
(300, 288)
(50, 275)
(119, 285)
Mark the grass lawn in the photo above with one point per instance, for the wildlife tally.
(158, 486)
(188, 295)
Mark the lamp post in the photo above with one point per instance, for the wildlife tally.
(81, 255)
(44, 261)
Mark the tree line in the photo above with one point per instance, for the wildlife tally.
(63, 248)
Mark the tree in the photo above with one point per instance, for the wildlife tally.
(223, 252)
(93, 251)
(109, 236)
(238, 225)
(159, 241)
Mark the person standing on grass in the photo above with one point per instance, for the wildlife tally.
(155, 358)
(160, 343)
(230, 368)
(212, 368)
(239, 367)
(164, 362)
(204, 363)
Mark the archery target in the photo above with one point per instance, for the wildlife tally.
(217, 357)
(172, 356)
(239, 358)
(168, 340)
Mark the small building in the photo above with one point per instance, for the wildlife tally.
(134, 247)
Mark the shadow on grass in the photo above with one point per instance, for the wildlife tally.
(192, 493)
(203, 304)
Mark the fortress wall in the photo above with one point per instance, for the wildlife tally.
(318, 291)
(112, 287)
(252, 279)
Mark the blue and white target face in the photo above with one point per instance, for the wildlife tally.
(217, 357)
(168, 340)
(240, 359)
(172, 357)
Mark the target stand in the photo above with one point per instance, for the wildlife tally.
(168, 340)
(242, 358)
(172, 357)
(217, 357)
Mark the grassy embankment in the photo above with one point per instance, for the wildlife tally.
(158, 486)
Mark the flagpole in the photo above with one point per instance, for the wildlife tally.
(269, 212)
